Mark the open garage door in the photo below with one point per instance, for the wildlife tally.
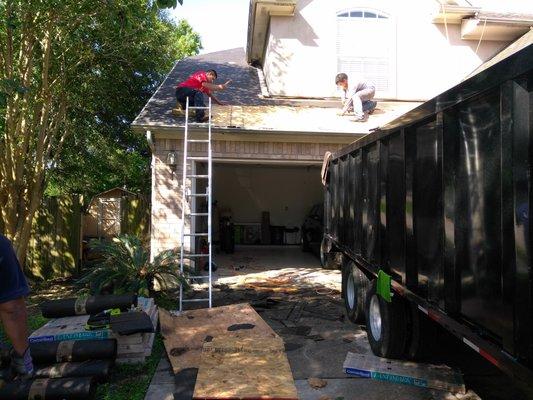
(267, 204)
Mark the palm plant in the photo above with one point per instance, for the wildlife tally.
(124, 266)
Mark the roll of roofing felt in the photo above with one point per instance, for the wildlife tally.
(86, 305)
(98, 369)
(50, 389)
(76, 350)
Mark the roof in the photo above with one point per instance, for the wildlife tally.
(505, 66)
(248, 110)
(124, 192)
(518, 45)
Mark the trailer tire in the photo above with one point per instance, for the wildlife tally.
(328, 258)
(421, 334)
(354, 287)
(386, 324)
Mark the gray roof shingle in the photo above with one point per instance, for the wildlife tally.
(229, 64)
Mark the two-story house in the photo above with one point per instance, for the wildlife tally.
(280, 118)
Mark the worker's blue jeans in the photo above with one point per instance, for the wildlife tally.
(196, 99)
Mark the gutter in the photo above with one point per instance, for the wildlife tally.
(503, 20)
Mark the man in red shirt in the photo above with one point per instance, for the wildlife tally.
(194, 87)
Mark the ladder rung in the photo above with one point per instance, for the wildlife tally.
(197, 141)
(198, 176)
(198, 195)
(197, 277)
(195, 255)
(198, 108)
(198, 158)
(196, 234)
(194, 300)
(199, 214)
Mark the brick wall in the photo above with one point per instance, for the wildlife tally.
(167, 186)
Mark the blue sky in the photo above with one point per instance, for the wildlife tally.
(222, 24)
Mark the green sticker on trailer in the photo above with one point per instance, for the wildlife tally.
(383, 286)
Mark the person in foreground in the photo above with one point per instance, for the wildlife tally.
(194, 88)
(13, 313)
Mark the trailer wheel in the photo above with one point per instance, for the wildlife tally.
(328, 258)
(386, 325)
(421, 334)
(354, 287)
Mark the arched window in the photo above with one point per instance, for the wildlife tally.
(361, 14)
(366, 47)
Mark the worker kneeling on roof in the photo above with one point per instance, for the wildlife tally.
(194, 87)
(356, 97)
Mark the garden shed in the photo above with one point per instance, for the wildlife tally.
(113, 212)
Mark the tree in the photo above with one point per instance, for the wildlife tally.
(67, 68)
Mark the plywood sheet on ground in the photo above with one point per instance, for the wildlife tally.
(244, 368)
(185, 335)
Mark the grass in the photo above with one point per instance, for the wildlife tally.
(130, 382)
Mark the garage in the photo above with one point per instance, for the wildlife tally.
(264, 204)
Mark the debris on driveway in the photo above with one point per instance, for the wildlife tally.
(317, 383)
(410, 373)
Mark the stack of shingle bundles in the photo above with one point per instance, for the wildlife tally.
(63, 369)
(134, 328)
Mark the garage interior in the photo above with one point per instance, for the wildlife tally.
(259, 208)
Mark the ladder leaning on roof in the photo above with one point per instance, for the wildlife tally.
(188, 203)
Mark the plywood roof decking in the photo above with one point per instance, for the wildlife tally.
(300, 119)
(233, 368)
(185, 335)
(246, 110)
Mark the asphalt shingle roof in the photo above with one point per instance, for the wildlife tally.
(229, 64)
(247, 110)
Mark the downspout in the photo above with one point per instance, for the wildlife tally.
(150, 140)
(151, 144)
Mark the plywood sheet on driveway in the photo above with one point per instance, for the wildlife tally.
(244, 368)
(185, 335)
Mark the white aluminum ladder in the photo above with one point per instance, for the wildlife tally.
(188, 202)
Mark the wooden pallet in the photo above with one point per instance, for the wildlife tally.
(185, 335)
(244, 368)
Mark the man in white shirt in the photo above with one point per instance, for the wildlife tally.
(358, 99)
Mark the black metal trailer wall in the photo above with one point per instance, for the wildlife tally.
(440, 199)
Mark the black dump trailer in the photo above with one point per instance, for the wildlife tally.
(438, 201)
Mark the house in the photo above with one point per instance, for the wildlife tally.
(269, 141)
(411, 49)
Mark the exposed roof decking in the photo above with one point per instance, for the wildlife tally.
(247, 110)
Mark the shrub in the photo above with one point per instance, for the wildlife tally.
(123, 266)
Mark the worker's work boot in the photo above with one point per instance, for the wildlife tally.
(21, 365)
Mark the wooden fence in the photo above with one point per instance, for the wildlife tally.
(55, 248)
